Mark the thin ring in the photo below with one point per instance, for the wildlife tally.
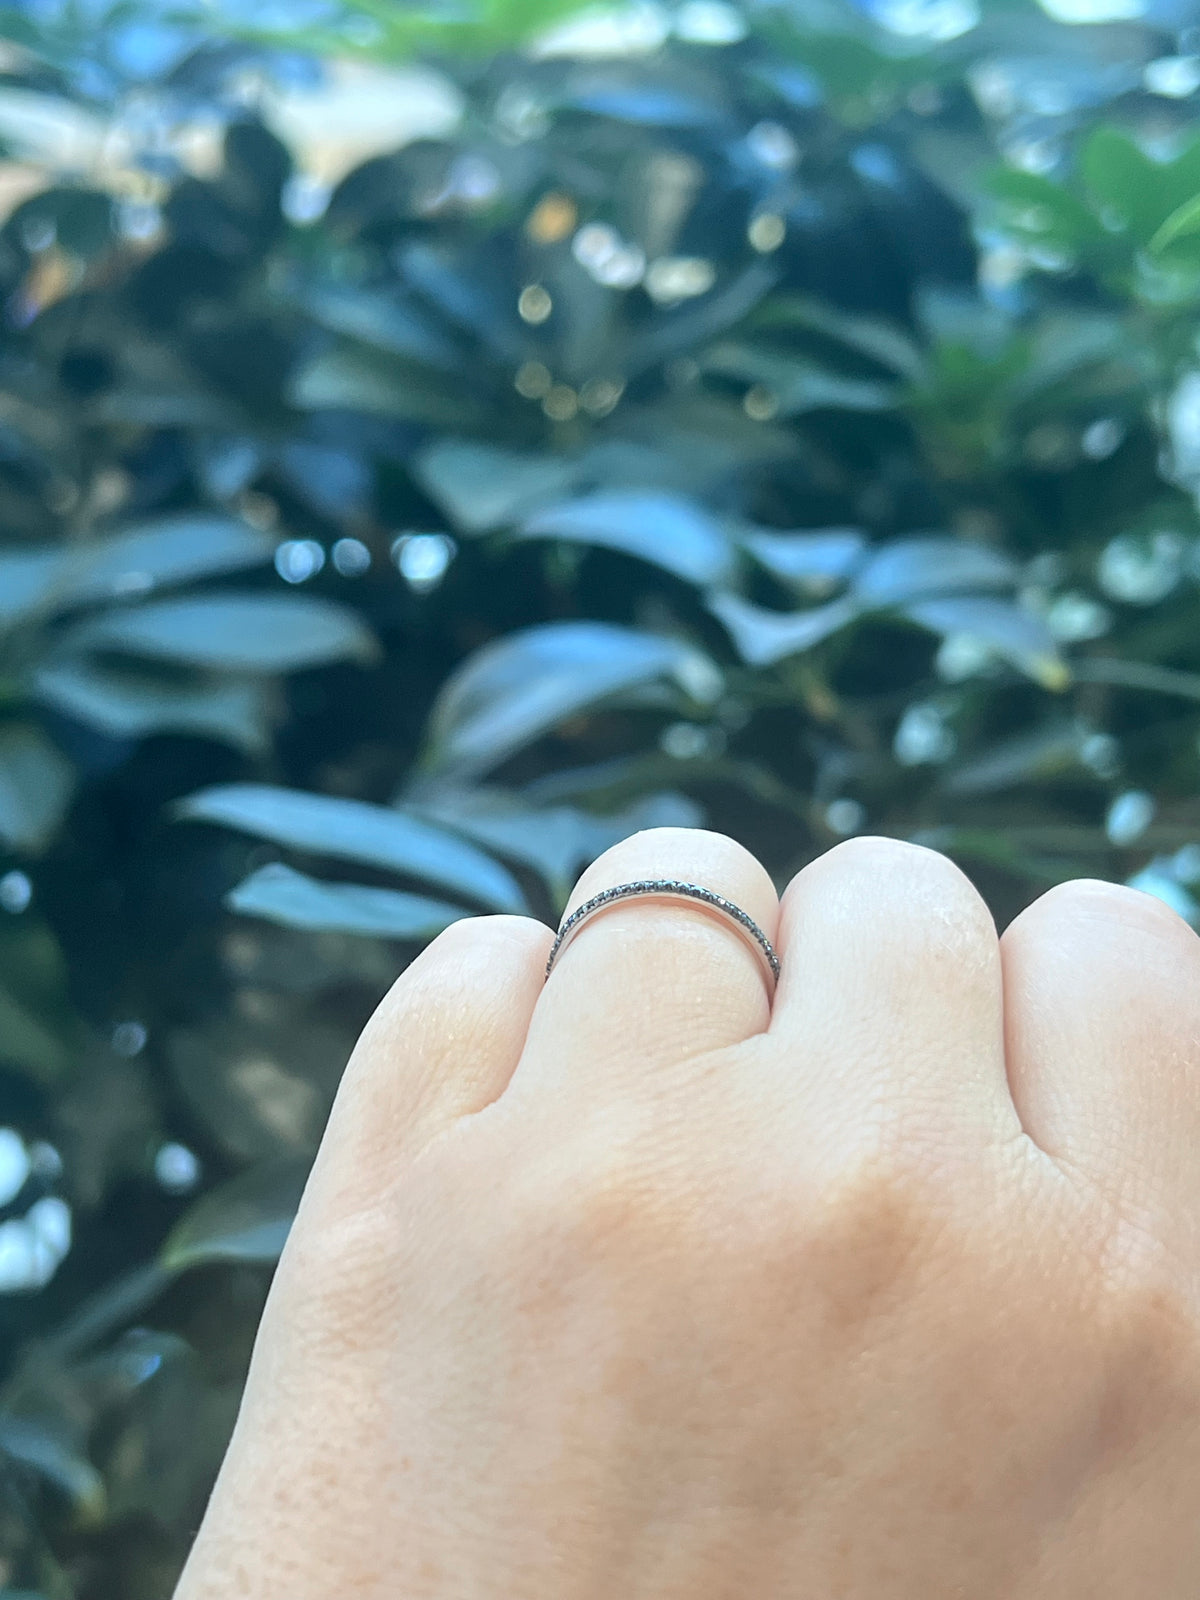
(673, 887)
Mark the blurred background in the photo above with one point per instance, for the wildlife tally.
(439, 440)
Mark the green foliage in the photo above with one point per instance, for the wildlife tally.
(1128, 217)
(386, 32)
(785, 426)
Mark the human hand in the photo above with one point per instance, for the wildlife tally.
(633, 1285)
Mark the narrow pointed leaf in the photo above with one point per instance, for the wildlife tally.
(246, 1219)
(133, 706)
(763, 637)
(164, 552)
(691, 325)
(351, 377)
(881, 341)
(1009, 629)
(353, 830)
(280, 894)
(910, 568)
(46, 1447)
(1183, 223)
(517, 688)
(135, 560)
(242, 633)
(557, 841)
(669, 530)
(811, 562)
(481, 487)
(1045, 752)
(384, 322)
(798, 383)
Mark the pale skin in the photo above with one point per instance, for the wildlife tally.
(635, 1284)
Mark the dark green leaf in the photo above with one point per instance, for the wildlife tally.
(1181, 174)
(964, 321)
(880, 341)
(1008, 629)
(28, 1041)
(162, 405)
(1043, 211)
(242, 633)
(160, 554)
(246, 1219)
(27, 579)
(260, 1086)
(165, 1399)
(128, 706)
(1145, 675)
(282, 895)
(149, 555)
(1183, 223)
(798, 383)
(21, 29)
(912, 567)
(105, 1117)
(847, 66)
(813, 563)
(691, 326)
(557, 841)
(666, 529)
(1124, 181)
(51, 1451)
(472, 300)
(36, 785)
(1079, 356)
(998, 848)
(119, 1302)
(481, 487)
(383, 322)
(352, 830)
(763, 637)
(515, 689)
(82, 218)
(37, 1023)
(1045, 752)
(350, 377)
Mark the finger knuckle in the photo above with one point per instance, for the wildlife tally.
(340, 1276)
(756, 1233)
(1089, 901)
(912, 894)
(1148, 1326)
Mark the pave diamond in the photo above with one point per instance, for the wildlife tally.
(668, 886)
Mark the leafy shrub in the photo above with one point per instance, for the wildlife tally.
(792, 428)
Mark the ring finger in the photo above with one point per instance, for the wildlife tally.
(650, 982)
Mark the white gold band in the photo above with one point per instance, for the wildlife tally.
(671, 888)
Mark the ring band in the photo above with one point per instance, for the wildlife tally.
(672, 888)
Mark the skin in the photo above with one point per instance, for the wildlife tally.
(634, 1283)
